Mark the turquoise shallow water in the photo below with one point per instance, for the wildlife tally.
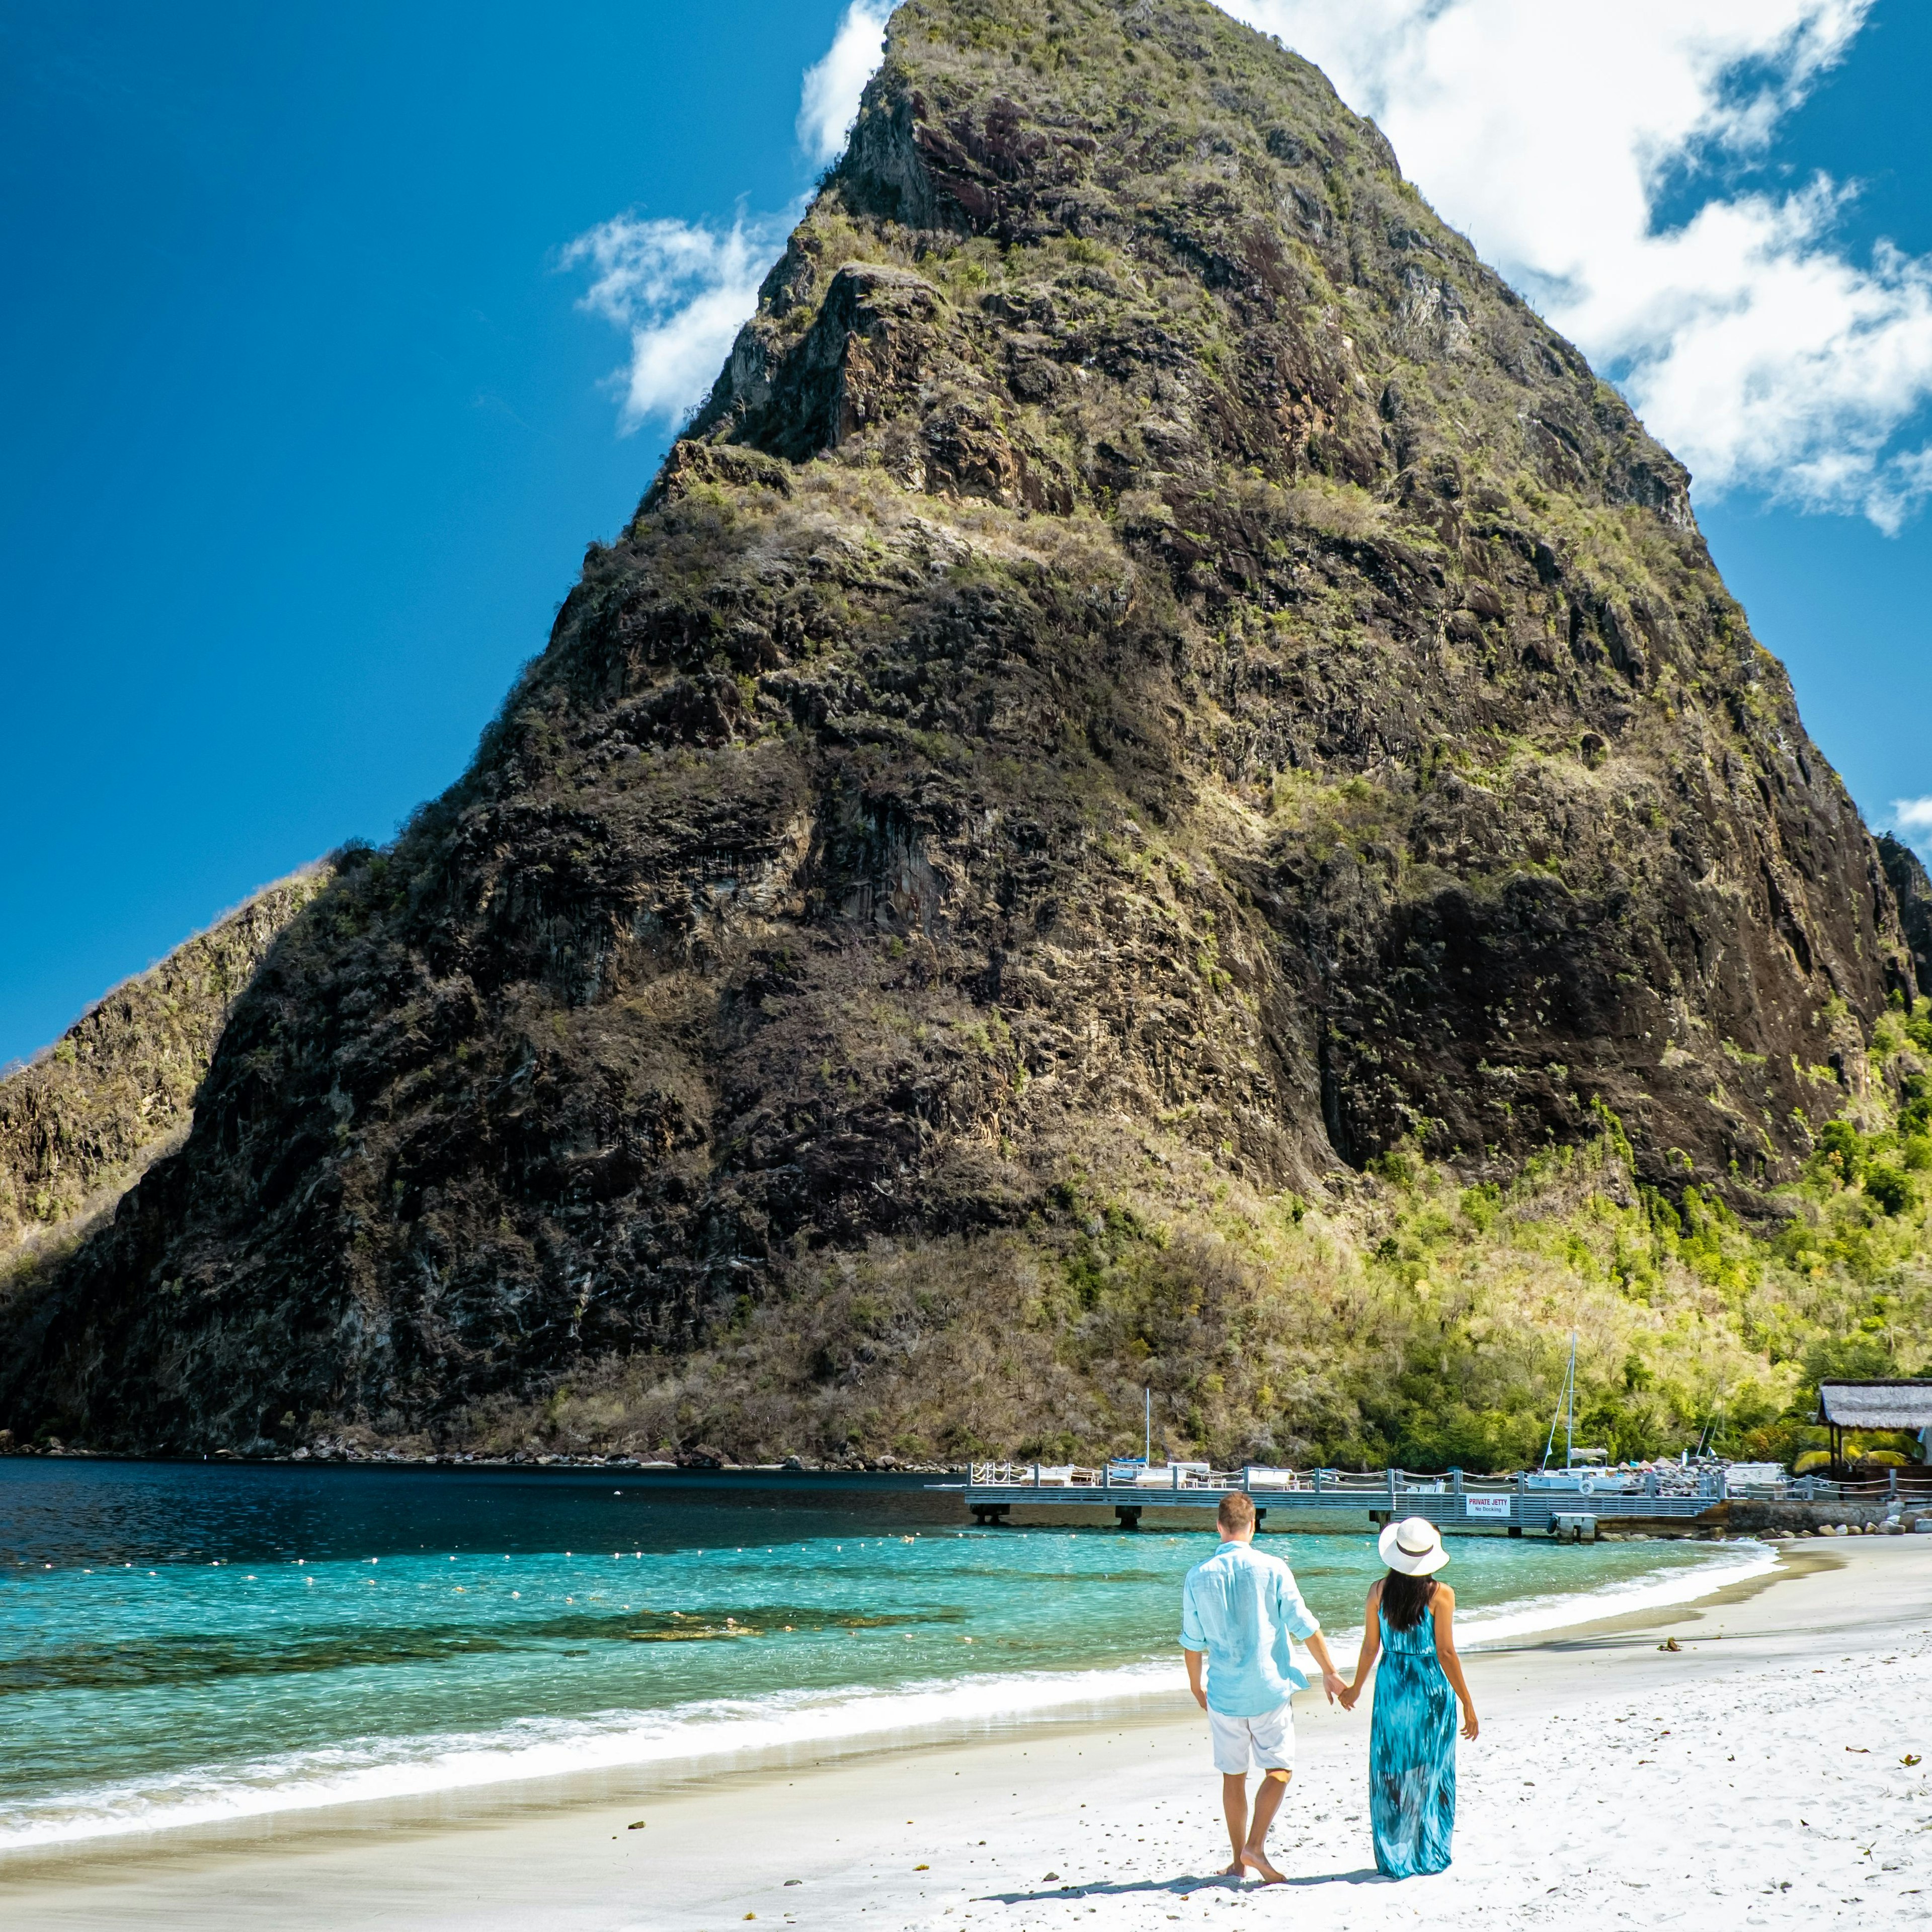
(181, 1643)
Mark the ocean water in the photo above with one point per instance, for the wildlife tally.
(181, 1644)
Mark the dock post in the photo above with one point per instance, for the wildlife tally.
(1317, 1482)
(1127, 1518)
(1392, 1474)
(1455, 1482)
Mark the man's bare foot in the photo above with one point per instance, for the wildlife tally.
(1257, 1861)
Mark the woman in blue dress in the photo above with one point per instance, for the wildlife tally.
(1412, 1741)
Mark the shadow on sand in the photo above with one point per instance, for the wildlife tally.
(1179, 1888)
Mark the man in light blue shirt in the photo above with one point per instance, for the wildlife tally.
(1239, 1612)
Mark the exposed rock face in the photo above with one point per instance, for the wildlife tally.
(1913, 891)
(80, 1122)
(1152, 653)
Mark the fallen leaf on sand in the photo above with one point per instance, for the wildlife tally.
(637, 1827)
(1910, 1758)
(922, 1867)
(1860, 1750)
(1670, 1643)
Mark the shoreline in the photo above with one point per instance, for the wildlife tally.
(560, 1853)
(510, 1465)
(700, 1741)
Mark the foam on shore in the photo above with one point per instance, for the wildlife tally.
(1739, 1563)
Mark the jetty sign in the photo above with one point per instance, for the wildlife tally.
(1496, 1507)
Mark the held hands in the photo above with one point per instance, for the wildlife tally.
(1337, 1689)
(1348, 1695)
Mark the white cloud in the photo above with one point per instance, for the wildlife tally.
(1912, 820)
(829, 103)
(683, 289)
(1751, 343)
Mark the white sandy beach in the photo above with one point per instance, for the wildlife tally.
(1752, 1777)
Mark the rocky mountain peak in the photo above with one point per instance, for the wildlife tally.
(1153, 672)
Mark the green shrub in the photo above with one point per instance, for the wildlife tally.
(1841, 1149)
(1887, 1187)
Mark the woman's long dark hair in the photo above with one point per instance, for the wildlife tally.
(1405, 1598)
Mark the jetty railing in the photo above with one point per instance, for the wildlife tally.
(1913, 1485)
(1704, 1480)
(1527, 1500)
(1343, 1487)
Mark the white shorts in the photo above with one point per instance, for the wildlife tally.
(1271, 1737)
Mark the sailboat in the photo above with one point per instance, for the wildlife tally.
(1569, 1477)
(1584, 1479)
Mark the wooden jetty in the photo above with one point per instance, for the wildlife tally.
(1577, 1504)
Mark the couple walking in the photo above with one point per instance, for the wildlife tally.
(1239, 1611)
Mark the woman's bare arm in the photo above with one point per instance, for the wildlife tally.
(1371, 1643)
(1442, 1601)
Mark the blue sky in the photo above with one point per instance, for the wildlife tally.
(309, 421)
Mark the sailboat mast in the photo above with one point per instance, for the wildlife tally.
(1570, 1425)
(1565, 1412)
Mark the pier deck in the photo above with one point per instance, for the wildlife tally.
(1507, 1505)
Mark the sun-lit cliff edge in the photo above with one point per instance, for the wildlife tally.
(80, 1123)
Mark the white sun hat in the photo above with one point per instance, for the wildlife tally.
(1413, 1545)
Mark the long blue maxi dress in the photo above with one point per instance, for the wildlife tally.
(1412, 1754)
